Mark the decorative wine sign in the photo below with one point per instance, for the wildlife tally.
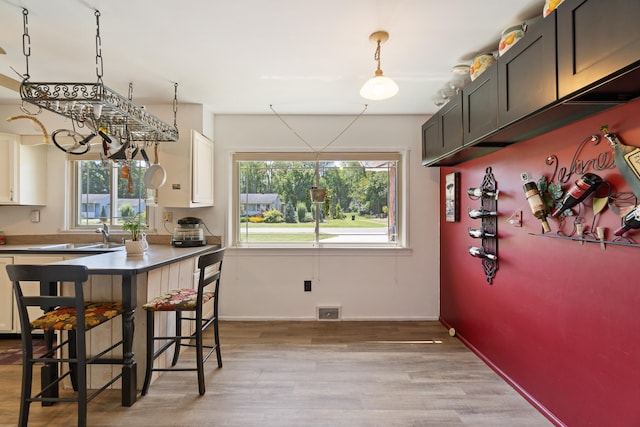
(488, 232)
(603, 161)
(623, 157)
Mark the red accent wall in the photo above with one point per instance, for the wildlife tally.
(561, 320)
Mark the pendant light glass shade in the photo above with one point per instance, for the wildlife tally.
(379, 87)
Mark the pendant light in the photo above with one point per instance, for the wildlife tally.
(379, 87)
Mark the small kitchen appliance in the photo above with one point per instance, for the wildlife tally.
(189, 233)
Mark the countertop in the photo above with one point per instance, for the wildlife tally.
(49, 248)
(115, 260)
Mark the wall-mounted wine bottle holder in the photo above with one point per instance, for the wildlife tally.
(489, 218)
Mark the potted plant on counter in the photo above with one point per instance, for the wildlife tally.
(137, 245)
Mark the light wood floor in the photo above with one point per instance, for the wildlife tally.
(302, 374)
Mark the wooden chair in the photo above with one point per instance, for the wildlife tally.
(181, 301)
(61, 313)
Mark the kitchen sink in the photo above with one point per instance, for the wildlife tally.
(75, 246)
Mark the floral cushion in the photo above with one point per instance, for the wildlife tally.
(64, 318)
(177, 300)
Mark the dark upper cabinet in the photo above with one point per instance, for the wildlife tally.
(450, 118)
(442, 133)
(480, 105)
(581, 59)
(527, 73)
(596, 39)
(431, 146)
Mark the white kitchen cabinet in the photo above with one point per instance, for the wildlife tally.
(23, 172)
(189, 173)
(6, 297)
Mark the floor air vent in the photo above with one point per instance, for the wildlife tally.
(328, 313)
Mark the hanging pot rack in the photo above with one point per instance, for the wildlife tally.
(95, 103)
(79, 101)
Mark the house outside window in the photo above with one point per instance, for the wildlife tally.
(258, 203)
(272, 204)
(106, 192)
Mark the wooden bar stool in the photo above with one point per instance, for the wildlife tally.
(61, 313)
(187, 300)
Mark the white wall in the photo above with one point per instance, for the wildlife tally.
(367, 284)
(268, 284)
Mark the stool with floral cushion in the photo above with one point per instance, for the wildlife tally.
(68, 313)
(181, 301)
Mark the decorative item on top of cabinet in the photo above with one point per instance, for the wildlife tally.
(550, 6)
(488, 212)
(510, 36)
(480, 63)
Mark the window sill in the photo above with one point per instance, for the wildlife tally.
(324, 250)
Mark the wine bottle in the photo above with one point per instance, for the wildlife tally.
(481, 253)
(480, 234)
(627, 160)
(482, 193)
(629, 221)
(481, 213)
(536, 204)
(582, 188)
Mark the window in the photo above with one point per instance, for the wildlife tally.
(273, 203)
(107, 192)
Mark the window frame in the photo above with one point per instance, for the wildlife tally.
(401, 186)
(75, 199)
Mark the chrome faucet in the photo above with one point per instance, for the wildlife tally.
(105, 233)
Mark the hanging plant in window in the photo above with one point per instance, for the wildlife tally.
(318, 194)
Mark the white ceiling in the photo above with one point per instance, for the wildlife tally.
(240, 56)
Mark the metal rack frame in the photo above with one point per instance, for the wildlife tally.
(95, 102)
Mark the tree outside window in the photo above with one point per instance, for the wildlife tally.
(360, 207)
(105, 194)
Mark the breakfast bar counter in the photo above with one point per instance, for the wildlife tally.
(117, 262)
(141, 277)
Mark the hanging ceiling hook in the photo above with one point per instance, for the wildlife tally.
(175, 105)
(26, 41)
(99, 62)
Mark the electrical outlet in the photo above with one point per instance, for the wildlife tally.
(307, 285)
(167, 216)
